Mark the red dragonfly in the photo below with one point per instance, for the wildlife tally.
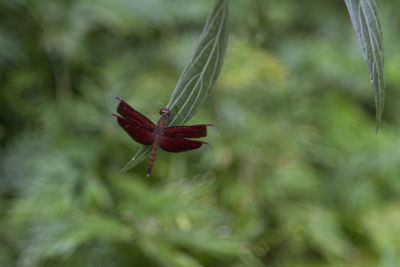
(144, 131)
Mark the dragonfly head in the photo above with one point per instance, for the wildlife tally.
(164, 111)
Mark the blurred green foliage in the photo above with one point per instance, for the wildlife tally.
(296, 175)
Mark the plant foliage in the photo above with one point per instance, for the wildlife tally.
(363, 14)
(199, 75)
(296, 177)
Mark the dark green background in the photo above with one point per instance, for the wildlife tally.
(295, 175)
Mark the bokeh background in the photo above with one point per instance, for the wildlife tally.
(295, 176)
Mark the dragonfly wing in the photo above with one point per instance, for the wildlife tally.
(140, 134)
(175, 144)
(133, 115)
(192, 131)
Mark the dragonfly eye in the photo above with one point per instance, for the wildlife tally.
(164, 111)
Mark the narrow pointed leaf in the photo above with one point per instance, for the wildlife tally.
(365, 21)
(199, 75)
(202, 71)
(140, 155)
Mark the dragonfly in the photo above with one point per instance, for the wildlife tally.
(144, 131)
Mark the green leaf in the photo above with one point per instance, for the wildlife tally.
(140, 155)
(166, 255)
(365, 21)
(202, 71)
(199, 75)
